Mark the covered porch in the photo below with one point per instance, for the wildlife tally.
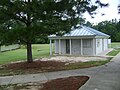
(74, 46)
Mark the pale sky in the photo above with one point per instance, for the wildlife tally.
(111, 12)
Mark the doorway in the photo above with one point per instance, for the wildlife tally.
(67, 46)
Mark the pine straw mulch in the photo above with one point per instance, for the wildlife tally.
(38, 66)
(41, 65)
(18, 68)
(70, 83)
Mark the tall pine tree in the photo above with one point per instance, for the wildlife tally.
(25, 20)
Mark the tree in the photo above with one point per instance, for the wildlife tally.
(111, 28)
(26, 20)
(89, 24)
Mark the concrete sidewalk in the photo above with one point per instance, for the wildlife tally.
(106, 77)
(46, 76)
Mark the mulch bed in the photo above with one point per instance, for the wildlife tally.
(35, 65)
(70, 83)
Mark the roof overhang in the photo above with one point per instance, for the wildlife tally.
(71, 37)
(102, 36)
(77, 37)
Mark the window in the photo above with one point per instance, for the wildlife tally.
(87, 43)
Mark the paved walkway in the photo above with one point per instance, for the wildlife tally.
(106, 77)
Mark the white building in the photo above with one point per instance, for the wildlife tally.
(80, 41)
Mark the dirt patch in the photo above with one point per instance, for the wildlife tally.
(74, 59)
(35, 65)
(70, 83)
(38, 66)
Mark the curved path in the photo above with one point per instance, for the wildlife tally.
(106, 77)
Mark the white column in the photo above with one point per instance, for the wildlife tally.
(70, 47)
(59, 46)
(93, 47)
(81, 47)
(102, 44)
(50, 47)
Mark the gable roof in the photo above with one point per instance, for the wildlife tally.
(83, 31)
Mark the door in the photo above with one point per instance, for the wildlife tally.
(67, 46)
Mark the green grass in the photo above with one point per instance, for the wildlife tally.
(87, 64)
(114, 52)
(116, 46)
(39, 50)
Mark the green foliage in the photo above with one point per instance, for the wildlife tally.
(26, 20)
(111, 28)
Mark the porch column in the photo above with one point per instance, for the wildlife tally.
(59, 46)
(50, 47)
(93, 47)
(70, 47)
(81, 47)
(102, 44)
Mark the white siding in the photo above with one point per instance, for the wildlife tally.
(88, 47)
(63, 46)
(109, 41)
(99, 44)
(105, 44)
(76, 47)
(56, 46)
(94, 47)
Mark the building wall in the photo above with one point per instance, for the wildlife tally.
(105, 44)
(94, 46)
(56, 46)
(99, 46)
(88, 47)
(76, 46)
(63, 46)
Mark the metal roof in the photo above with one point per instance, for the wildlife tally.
(83, 31)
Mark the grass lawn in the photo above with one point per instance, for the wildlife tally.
(39, 50)
(114, 52)
(116, 46)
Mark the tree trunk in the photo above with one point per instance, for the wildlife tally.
(29, 52)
